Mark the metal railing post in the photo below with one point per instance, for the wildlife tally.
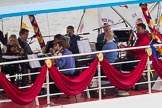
(88, 94)
(37, 101)
(99, 81)
(148, 75)
(48, 88)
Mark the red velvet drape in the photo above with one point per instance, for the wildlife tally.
(121, 80)
(23, 96)
(73, 86)
(157, 66)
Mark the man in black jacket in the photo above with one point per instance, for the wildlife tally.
(23, 41)
(23, 36)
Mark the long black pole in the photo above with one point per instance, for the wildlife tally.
(21, 22)
(121, 17)
(81, 20)
(2, 24)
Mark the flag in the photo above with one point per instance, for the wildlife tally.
(24, 25)
(154, 52)
(37, 31)
(160, 21)
(154, 33)
(104, 20)
(134, 15)
(126, 6)
(105, 17)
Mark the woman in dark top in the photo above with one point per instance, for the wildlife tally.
(13, 46)
(13, 49)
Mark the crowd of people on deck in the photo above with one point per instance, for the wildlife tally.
(67, 45)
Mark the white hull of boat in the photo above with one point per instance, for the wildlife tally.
(146, 101)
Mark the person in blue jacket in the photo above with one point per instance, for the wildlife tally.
(64, 63)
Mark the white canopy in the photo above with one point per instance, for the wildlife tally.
(9, 8)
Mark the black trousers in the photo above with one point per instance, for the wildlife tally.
(129, 66)
(53, 87)
(24, 70)
(33, 77)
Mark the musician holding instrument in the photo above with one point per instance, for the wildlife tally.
(106, 30)
(64, 63)
(133, 36)
(13, 46)
(143, 39)
(50, 44)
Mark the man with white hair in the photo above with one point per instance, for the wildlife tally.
(111, 57)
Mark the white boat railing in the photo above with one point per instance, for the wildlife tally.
(99, 88)
(77, 55)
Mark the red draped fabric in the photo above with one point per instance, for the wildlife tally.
(121, 80)
(23, 96)
(157, 65)
(73, 86)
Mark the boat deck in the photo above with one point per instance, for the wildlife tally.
(63, 100)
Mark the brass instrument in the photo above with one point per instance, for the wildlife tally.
(131, 38)
(131, 43)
